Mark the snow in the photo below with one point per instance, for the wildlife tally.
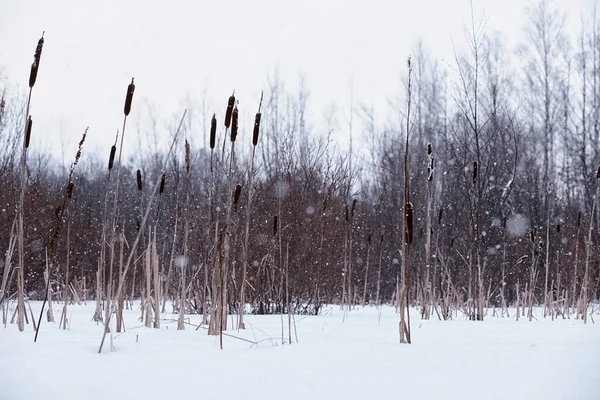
(359, 358)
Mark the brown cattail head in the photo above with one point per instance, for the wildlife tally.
(28, 132)
(598, 173)
(474, 172)
(578, 219)
(129, 98)
(111, 158)
(347, 213)
(234, 124)
(409, 222)
(138, 178)
(381, 239)
(163, 179)
(70, 187)
(256, 129)
(440, 215)
(236, 196)
(369, 239)
(230, 104)
(532, 235)
(451, 242)
(430, 162)
(558, 228)
(213, 131)
(275, 225)
(36, 62)
(187, 158)
(353, 208)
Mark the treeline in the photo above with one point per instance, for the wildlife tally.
(503, 178)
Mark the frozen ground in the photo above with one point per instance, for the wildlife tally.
(355, 359)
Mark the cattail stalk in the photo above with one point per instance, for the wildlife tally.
(255, 134)
(142, 227)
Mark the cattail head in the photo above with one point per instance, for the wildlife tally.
(111, 158)
(234, 124)
(598, 173)
(256, 129)
(451, 242)
(28, 132)
(409, 222)
(187, 158)
(369, 239)
(558, 228)
(275, 221)
(353, 208)
(474, 172)
(230, 105)
(578, 219)
(163, 179)
(532, 235)
(57, 211)
(79, 147)
(347, 213)
(429, 162)
(213, 131)
(381, 239)
(138, 178)
(440, 215)
(70, 187)
(236, 196)
(36, 62)
(129, 98)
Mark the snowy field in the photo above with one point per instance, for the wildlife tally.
(359, 358)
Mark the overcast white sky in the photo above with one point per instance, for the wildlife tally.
(176, 49)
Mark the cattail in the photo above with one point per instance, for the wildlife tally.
(129, 97)
(36, 62)
(409, 223)
(558, 228)
(598, 173)
(230, 104)
(369, 239)
(28, 132)
(213, 131)
(187, 157)
(139, 179)
(79, 147)
(347, 218)
(111, 158)
(430, 162)
(57, 211)
(163, 179)
(275, 225)
(578, 219)
(70, 188)
(234, 124)
(440, 215)
(532, 235)
(353, 208)
(236, 196)
(256, 129)
(451, 242)
(474, 172)
(257, 123)
(381, 239)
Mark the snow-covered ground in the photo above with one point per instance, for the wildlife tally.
(359, 358)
